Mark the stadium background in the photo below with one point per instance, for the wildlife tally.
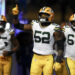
(28, 11)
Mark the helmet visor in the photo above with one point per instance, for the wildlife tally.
(73, 23)
(44, 15)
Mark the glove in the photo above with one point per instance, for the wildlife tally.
(15, 10)
(57, 66)
(7, 53)
(59, 59)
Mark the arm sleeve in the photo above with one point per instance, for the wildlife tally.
(16, 23)
(59, 41)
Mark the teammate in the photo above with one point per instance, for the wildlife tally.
(8, 46)
(43, 37)
(70, 45)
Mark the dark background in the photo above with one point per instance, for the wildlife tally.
(62, 8)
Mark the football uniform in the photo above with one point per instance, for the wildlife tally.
(60, 69)
(5, 45)
(9, 28)
(69, 49)
(42, 60)
(43, 39)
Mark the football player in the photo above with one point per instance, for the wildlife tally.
(70, 45)
(8, 46)
(43, 37)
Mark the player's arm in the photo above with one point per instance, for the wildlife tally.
(15, 43)
(16, 22)
(59, 40)
(22, 26)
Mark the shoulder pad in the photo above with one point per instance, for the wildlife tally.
(34, 21)
(11, 33)
(55, 24)
(63, 29)
(8, 26)
(57, 28)
(66, 26)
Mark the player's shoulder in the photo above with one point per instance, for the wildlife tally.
(7, 26)
(55, 25)
(34, 21)
(10, 31)
(66, 26)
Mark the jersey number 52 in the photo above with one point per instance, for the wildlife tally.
(44, 39)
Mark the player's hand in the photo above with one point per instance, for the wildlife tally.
(15, 10)
(59, 59)
(5, 53)
(57, 66)
(8, 53)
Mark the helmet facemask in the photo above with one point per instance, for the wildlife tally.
(2, 23)
(73, 25)
(72, 21)
(1, 29)
(44, 19)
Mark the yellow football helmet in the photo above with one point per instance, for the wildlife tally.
(47, 13)
(72, 21)
(3, 21)
(3, 18)
(72, 17)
